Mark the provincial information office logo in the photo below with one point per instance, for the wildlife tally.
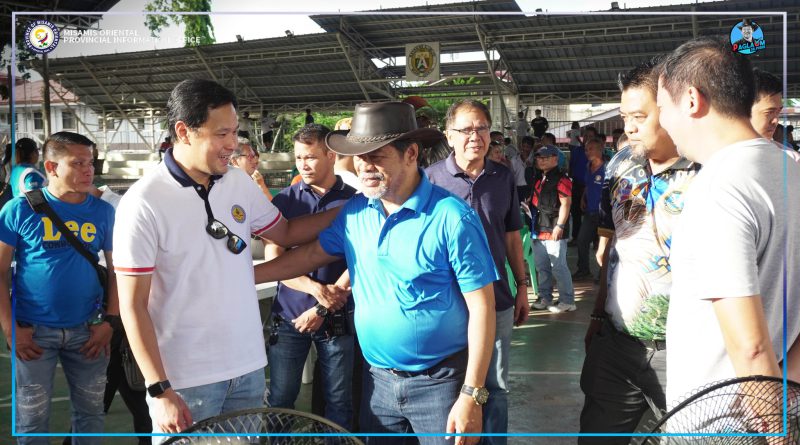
(747, 37)
(41, 36)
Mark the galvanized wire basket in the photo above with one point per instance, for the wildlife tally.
(260, 426)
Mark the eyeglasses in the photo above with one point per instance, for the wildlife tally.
(215, 228)
(482, 131)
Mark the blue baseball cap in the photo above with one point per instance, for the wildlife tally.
(547, 150)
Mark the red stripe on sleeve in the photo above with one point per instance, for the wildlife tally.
(134, 269)
(268, 226)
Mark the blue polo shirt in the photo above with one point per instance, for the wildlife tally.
(577, 164)
(298, 200)
(594, 187)
(409, 271)
(493, 195)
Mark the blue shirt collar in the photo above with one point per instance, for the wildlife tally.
(489, 167)
(177, 172)
(419, 197)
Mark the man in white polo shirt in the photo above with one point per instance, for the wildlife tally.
(186, 277)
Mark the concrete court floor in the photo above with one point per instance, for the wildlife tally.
(546, 358)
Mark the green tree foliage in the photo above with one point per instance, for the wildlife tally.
(198, 28)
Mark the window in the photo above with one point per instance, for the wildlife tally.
(67, 120)
(140, 123)
(38, 123)
(4, 118)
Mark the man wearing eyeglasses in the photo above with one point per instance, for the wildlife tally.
(417, 256)
(186, 279)
(490, 189)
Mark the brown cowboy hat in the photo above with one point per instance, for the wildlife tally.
(376, 124)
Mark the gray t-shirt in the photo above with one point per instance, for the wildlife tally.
(738, 236)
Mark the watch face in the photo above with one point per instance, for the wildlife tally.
(481, 395)
(322, 311)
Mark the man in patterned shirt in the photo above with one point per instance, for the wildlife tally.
(625, 367)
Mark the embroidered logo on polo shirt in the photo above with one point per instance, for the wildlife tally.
(238, 213)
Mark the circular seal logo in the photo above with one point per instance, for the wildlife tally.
(41, 36)
(238, 213)
(747, 37)
(422, 60)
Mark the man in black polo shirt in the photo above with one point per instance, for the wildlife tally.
(299, 314)
(490, 189)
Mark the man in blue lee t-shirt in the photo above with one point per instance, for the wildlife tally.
(57, 295)
(422, 278)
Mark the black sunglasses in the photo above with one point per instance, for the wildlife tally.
(218, 230)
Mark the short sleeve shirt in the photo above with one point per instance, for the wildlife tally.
(409, 271)
(493, 195)
(54, 285)
(202, 296)
(640, 210)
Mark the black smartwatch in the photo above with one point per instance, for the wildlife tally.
(158, 388)
(322, 311)
(114, 320)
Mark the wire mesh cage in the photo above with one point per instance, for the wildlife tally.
(242, 427)
(739, 408)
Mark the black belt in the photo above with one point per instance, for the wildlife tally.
(405, 374)
(457, 359)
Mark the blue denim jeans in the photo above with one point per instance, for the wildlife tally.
(287, 357)
(204, 401)
(397, 402)
(551, 262)
(495, 411)
(86, 379)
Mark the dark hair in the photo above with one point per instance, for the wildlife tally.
(594, 140)
(551, 136)
(191, 100)
(723, 77)
(312, 133)
(507, 141)
(766, 83)
(450, 117)
(402, 145)
(56, 145)
(538, 111)
(520, 114)
(495, 133)
(593, 129)
(575, 124)
(527, 140)
(26, 149)
(644, 75)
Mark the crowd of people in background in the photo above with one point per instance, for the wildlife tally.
(408, 267)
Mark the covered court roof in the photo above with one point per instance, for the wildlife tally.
(545, 59)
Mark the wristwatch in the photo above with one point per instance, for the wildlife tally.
(322, 311)
(158, 388)
(114, 320)
(480, 395)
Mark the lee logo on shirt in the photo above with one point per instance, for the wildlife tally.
(86, 232)
(238, 213)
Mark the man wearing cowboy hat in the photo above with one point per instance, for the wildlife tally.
(422, 277)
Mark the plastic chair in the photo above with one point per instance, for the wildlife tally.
(746, 406)
(243, 424)
(527, 255)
